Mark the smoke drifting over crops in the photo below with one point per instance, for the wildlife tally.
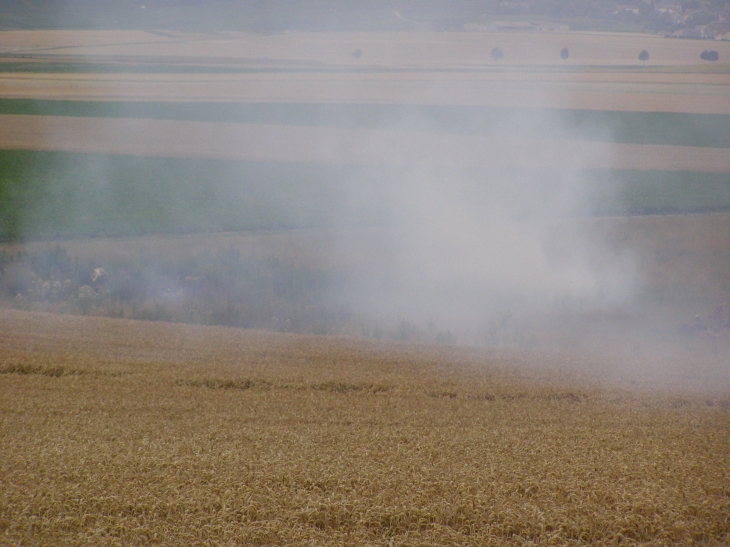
(463, 227)
(455, 213)
(479, 233)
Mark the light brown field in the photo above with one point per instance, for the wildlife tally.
(131, 432)
(400, 68)
(676, 93)
(381, 49)
(277, 143)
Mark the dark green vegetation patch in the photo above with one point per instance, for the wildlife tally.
(62, 195)
(659, 192)
(66, 195)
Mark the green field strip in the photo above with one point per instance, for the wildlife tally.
(56, 194)
(67, 195)
(678, 129)
(658, 192)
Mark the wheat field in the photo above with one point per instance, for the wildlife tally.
(125, 433)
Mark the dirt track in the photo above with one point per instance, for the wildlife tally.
(256, 142)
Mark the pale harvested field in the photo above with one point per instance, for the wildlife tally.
(131, 432)
(381, 49)
(694, 93)
(397, 68)
(277, 143)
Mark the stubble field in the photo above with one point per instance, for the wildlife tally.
(656, 92)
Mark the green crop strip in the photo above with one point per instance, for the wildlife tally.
(55, 194)
(50, 194)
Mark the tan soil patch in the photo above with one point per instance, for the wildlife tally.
(257, 142)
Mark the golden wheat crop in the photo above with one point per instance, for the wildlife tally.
(128, 433)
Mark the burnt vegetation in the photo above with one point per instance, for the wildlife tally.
(225, 288)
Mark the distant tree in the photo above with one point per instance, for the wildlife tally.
(564, 54)
(497, 54)
(710, 55)
(357, 53)
(644, 56)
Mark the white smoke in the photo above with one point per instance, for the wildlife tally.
(475, 234)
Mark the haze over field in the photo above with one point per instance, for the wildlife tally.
(474, 171)
(350, 274)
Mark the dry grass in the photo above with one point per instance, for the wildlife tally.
(192, 435)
